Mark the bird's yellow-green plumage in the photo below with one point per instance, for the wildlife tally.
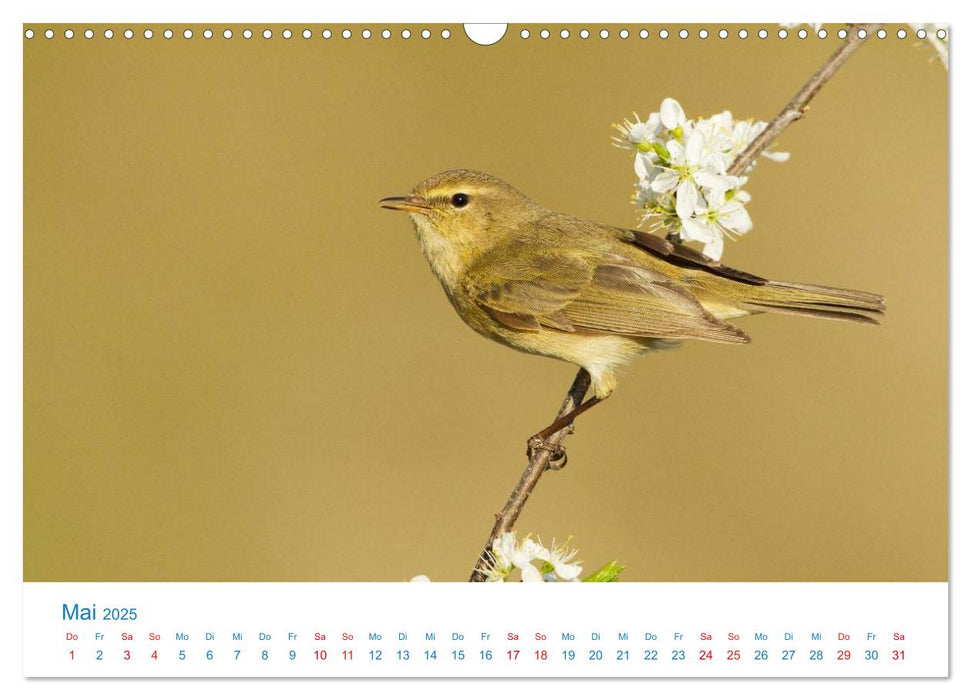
(590, 294)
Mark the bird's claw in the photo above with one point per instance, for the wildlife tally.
(558, 457)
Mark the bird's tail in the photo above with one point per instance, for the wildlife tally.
(814, 300)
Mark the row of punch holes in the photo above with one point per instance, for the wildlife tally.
(487, 34)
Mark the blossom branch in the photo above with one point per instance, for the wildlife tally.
(798, 105)
(539, 461)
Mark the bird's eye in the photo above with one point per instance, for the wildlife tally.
(459, 200)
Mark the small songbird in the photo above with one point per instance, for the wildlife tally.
(594, 295)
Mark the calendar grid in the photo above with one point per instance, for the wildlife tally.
(423, 630)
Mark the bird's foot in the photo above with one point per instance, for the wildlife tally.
(558, 457)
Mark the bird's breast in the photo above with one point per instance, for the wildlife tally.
(444, 257)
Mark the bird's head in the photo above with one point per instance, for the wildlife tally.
(462, 213)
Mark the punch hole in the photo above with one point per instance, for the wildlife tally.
(921, 34)
(207, 34)
(227, 34)
(187, 33)
(624, 34)
(564, 33)
(663, 33)
(743, 33)
(802, 34)
(287, 33)
(386, 34)
(446, 34)
(584, 33)
(763, 34)
(485, 34)
(327, 34)
(68, 33)
(722, 33)
(901, 33)
(306, 33)
(841, 34)
(425, 34)
(29, 33)
(524, 34)
(703, 33)
(783, 33)
(129, 33)
(346, 33)
(148, 33)
(247, 33)
(545, 34)
(861, 33)
(366, 33)
(167, 34)
(941, 34)
(683, 34)
(405, 33)
(822, 34)
(604, 33)
(881, 33)
(109, 33)
(643, 34)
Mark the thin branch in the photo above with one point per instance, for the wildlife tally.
(540, 459)
(538, 463)
(798, 105)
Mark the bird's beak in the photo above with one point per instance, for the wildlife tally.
(411, 202)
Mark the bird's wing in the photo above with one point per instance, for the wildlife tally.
(530, 291)
(563, 291)
(684, 256)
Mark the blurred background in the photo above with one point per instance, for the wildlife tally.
(237, 367)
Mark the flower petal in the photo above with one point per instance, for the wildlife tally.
(567, 572)
(694, 146)
(665, 181)
(687, 199)
(734, 217)
(714, 248)
(644, 165)
(675, 150)
(694, 230)
(672, 115)
(531, 574)
(712, 180)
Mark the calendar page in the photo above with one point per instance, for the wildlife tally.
(274, 275)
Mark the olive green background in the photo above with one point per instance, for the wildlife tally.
(238, 367)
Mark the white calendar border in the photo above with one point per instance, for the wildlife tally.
(499, 10)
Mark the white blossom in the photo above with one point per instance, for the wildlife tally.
(508, 555)
(559, 558)
(682, 170)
